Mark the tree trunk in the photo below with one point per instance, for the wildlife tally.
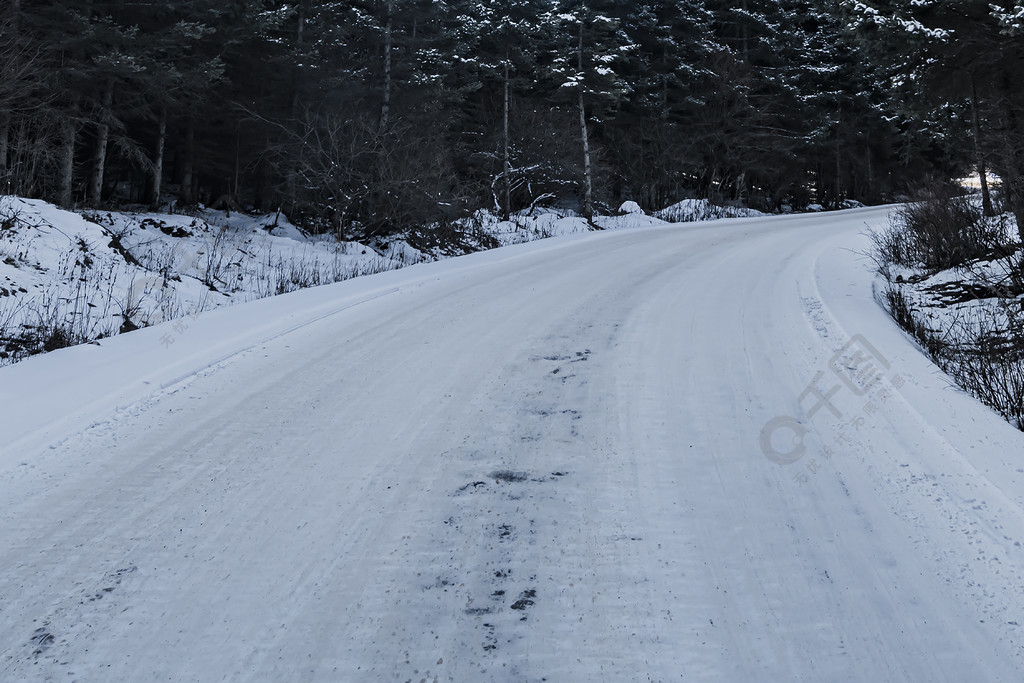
(300, 39)
(5, 115)
(99, 163)
(238, 162)
(507, 161)
(819, 184)
(158, 160)
(5, 132)
(188, 195)
(1013, 177)
(839, 157)
(588, 194)
(385, 107)
(986, 197)
(66, 177)
(870, 164)
(291, 174)
(744, 36)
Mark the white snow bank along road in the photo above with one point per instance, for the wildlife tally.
(537, 463)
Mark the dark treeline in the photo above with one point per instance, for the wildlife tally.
(959, 64)
(362, 117)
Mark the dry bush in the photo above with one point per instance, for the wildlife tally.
(941, 231)
(983, 353)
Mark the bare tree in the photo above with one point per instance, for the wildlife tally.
(588, 185)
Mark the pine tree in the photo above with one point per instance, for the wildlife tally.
(670, 78)
(509, 35)
(22, 89)
(958, 54)
(176, 74)
(364, 116)
(590, 49)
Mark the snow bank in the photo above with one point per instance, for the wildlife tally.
(690, 210)
(67, 278)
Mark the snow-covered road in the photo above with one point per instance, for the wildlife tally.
(545, 462)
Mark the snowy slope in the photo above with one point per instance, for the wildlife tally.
(90, 275)
(68, 278)
(553, 461)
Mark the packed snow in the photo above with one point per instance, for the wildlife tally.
(552, 461)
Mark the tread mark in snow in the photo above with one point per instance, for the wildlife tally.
(42, 640)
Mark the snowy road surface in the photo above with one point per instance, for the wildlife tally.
(546, 462)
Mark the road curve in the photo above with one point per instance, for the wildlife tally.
(552, 466)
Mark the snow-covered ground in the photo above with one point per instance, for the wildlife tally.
(970, 317)
(554, 461)
(75, 277)
(69, 277)
(956, 302)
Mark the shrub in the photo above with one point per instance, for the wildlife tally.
(992, 368)
(983, 354)
(907, 318)
(941, 231)
(891, 246)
